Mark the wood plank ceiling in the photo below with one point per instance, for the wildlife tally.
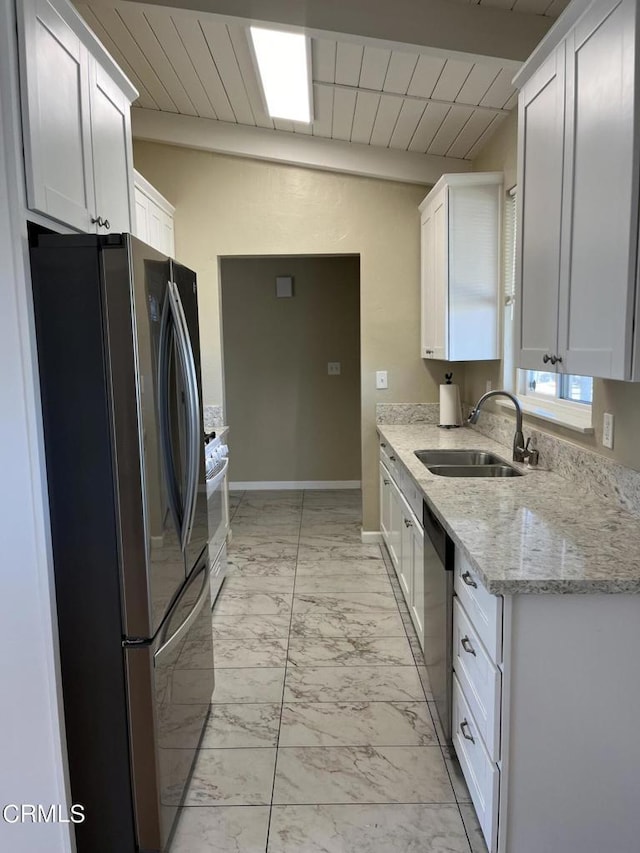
(198, 65)
(551, 8)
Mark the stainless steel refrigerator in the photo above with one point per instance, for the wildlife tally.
(119, 362)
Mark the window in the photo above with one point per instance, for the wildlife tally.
(562, 398)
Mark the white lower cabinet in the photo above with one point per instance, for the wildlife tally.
(403, 535)
(481, 773)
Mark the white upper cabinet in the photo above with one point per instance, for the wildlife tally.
(579, 190)
(460, 268)
(76, 122)
(153, 217)
(541, 141)
(112, 154)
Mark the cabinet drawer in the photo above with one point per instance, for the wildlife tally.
(414, 497)
(479, 678)
(388, 457)
(483, 609)
(481, 774)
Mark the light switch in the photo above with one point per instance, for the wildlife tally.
(333, 368)
(381, 380)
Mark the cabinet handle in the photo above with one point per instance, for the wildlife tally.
(468, 579)
(547, 358)
(100, 222)
(465, 642)
(408, 523)
(464, 724)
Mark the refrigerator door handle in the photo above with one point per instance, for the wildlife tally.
(194, 413)
(173, 489)
(168, 644)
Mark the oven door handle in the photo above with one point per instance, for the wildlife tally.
(180, 632)
(215, 481)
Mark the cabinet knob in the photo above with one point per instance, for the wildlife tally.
(392, 458)
(100, 222)
(464, 728)
(465, 642)
(408, 523)
(546, 358)
(468, 579)
(386, 482)
(382, 444)
(556, 359)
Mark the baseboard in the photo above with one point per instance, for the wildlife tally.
(262, 485)
(371, 537)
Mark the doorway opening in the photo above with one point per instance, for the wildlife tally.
(291, 361)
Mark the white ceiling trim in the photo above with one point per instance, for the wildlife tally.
(294, 149)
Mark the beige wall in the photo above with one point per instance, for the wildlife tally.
(620, 398)
(231, 206)
(291, 420)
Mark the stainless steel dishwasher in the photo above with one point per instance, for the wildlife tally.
(438, 613)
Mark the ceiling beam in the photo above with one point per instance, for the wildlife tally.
(294, 149)
(483, 31)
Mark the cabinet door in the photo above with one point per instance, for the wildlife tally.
(168, 239)
(405, 568)
(394, 543)
(435, 277)
(540, 154)
(141, 221)
(55, 116)
(112, 161)
(385, 503)
(600, 228)
(417, 586)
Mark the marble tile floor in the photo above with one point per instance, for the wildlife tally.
(323, 736)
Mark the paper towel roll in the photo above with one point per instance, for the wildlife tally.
(450, 409)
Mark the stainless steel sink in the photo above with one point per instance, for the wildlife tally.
(466, 463)
(475, 470)
(458, 457)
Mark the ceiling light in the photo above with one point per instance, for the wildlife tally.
(283, 62)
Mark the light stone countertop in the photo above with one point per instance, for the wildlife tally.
(532, 534)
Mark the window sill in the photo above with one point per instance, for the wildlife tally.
(555, 413)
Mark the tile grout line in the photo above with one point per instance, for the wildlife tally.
(284, 680)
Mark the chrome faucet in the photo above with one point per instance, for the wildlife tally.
(521, 452)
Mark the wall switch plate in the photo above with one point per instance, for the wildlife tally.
(381, 380)
(333, 368)
(607, 430)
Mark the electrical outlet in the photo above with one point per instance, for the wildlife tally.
(381, 380)
(607, 430)
(333, 368)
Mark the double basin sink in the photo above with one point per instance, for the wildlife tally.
(466, 463)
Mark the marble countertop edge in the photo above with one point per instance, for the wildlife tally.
(535, 534)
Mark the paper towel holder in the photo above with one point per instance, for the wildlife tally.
(458, 417)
